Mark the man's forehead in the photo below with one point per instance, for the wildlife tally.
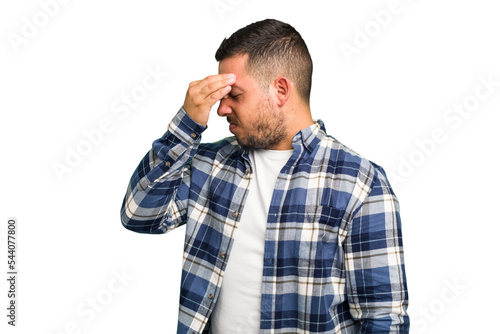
(233, 64)
(235, 86)
(237, 66)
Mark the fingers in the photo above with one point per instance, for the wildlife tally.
(203, 94)
(217, 95)
(212, 86)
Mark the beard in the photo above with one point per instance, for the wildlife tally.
(268, 131)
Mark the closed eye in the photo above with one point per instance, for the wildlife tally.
(234, 96)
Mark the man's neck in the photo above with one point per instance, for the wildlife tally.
(298, 119)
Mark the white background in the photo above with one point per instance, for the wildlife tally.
(395, 91)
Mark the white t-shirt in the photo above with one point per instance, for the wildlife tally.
(238, 307)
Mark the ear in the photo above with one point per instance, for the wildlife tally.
(283, 88)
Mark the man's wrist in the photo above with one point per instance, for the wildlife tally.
(185, 127)
(202, 121)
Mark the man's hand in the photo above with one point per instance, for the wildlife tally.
(203, 94)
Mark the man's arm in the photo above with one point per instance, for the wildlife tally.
(156, 198)
(376, 280)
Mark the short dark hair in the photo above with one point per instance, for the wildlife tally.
(274, 48)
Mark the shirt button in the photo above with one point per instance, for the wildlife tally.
(235, 214)
(193, 135)
(223, 255)
(167, 163)
(247, 171)
(211, 296)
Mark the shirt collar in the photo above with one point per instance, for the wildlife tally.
(310, 136)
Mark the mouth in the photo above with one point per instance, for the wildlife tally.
(232, 124)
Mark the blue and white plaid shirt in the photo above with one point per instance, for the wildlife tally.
(333, 258)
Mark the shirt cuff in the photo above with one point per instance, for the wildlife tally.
(185, 128)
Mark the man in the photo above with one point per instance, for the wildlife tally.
(287, 230)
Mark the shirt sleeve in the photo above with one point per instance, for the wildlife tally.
(375, 271)
(157, 194)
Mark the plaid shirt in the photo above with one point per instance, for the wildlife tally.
(333, 257)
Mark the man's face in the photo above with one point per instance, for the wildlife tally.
(252, 113)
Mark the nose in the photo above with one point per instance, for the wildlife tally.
(224, 109)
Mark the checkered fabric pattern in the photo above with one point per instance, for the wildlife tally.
(333, 258)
